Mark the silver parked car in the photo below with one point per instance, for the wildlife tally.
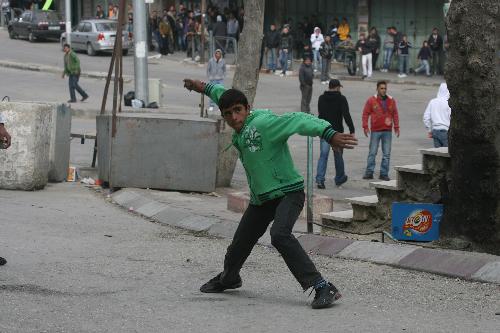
(95, 36)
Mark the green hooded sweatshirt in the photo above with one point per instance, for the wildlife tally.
(263, 148)
(71, 64)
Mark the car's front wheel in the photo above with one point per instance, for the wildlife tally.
(31, 37)
(125, 52)
(90, 49)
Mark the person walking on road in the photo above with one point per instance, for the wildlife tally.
(216, 72)
(333, 107)
(276, 188)
(383, 114)
(437, 117)
(306, 76)
(272, 43)
(316, 41)
(72, 70)
(5, 141)
(364, 47)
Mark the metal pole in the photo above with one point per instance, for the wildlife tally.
(202, 37)
(141, 51)
(309, 208)
(67, 10)
(2, 18)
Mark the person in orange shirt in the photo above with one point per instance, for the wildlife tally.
(343, 29)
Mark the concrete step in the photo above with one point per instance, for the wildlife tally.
(344, 216)
(441, 152)
(362, 206)
(369, 200)
(391, 185)
(413, 168)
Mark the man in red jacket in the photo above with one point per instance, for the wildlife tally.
(383, 114)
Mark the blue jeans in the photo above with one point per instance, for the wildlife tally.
(73, 85)
(284, 61)
(424, 65)
(403, 64)
(375, 138)
(317, 61)
(323, 162)
(440, 138)
(271, 59)
(212, 103)
(388, 57)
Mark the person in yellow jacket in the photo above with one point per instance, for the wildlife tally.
(343, 29)
(165, 36)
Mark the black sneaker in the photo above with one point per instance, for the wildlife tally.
(215, 286)
(384, 178)
(321, 186)
(325, 297)
(84, 98)
(368, 176)
(2, 261)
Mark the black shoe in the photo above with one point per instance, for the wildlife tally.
(325, 297)
(2, 261)
(321, 186)
(215, 286)
(342, 182)
(384, 178)
(368, 176)
(72, 101)
(84, 98)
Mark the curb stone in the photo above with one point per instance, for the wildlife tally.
(466, 265)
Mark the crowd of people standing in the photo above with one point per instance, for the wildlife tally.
(307, 39)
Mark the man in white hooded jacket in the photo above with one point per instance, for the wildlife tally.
(437, 117)
(316, 41)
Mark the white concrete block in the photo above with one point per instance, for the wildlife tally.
(25, 165)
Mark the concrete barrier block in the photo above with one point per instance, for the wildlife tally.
(25, 165)
(60, 143)
(160, 151)
(489, 273)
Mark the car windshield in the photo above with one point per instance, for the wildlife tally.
(109, 26)
(49, 16)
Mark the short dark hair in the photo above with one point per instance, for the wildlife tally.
(232, 97)
(66, 45)
(381, 82)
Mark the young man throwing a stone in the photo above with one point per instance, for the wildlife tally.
(276, 188)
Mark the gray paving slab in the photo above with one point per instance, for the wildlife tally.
(124, 197)
(332, 246)
(171, 216)
(150, 209)
(223, 228)
(458, 264)
(310, 242)
(489, 272)
(377, 252)
(197, 223)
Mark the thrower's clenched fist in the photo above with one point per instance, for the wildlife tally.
(195, 85)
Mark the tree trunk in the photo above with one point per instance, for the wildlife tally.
(246, 76)
(472, 210)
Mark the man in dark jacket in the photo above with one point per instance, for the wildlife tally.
(306, 76)
(333, 107)
(326, 53)
(286, 44)
(272, 43)
(436, 45)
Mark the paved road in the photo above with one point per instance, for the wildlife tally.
(80, 264)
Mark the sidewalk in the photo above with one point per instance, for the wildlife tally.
(207, 215)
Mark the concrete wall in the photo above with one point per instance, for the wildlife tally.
(25, 165)
(159, 151)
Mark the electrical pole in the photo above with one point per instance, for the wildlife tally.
(141, 51)
(67, 10)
